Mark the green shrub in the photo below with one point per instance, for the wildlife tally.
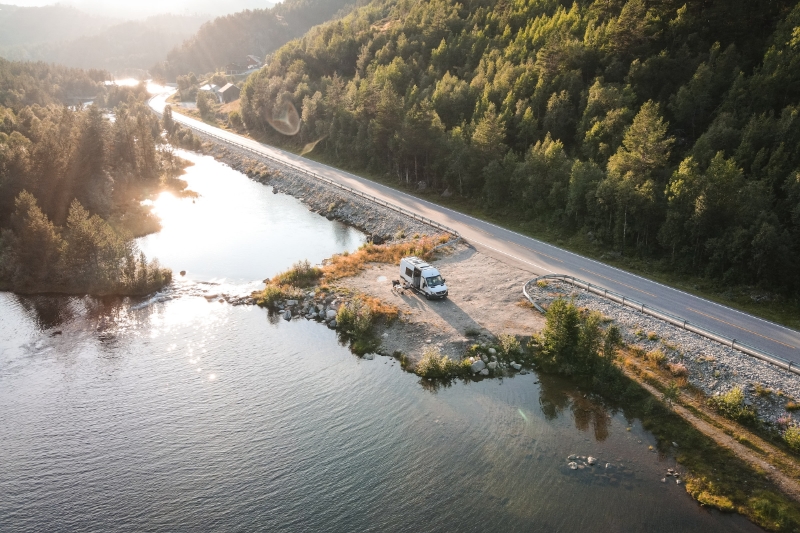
(656, 357)
(434, 365)
(612, 341)
(355, 318)
(509, 344)
(235, 119)
(302, 274)
(569, 342)
(792, 437)
(731, 405)
(272, 294)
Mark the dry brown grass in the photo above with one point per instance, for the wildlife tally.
(381, 309)
(656, 357)
(348, 265)
(677, 369)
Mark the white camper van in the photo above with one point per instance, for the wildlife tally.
(422, 277)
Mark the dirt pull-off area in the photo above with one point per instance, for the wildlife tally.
(484, 301)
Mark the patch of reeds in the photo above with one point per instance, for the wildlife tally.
(434, 365)
(302, 274)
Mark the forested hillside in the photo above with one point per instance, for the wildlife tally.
(70, 181)
(252, 32)
(128, 45)
(668, 130)
(24, 84)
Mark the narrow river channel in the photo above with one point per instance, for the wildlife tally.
(182, 413)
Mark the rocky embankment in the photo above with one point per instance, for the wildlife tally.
(709, 366)
(380, 222)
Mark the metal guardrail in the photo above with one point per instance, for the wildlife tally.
(329, 181)
(666, 317)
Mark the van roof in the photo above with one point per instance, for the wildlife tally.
(416, 261)
(420, 264)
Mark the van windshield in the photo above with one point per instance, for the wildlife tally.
(434, 281)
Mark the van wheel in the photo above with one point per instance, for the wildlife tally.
(427, 296)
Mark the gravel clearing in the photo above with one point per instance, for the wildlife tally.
(712, 367)
(380, 222)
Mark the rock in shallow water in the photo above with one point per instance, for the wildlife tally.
(477, 366)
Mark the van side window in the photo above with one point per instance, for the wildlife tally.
(409, 273)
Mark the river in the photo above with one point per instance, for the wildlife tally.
(182, 413)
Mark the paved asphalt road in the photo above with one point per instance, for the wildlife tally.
(541, 258)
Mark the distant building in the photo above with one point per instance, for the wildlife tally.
(253, 62)
(229, 93)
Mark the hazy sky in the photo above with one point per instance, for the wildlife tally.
(145, 8)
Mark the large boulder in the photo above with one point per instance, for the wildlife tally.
(492, 365)
(331, 314)
(287, 315)
(477, 366)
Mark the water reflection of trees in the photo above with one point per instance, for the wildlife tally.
(48, 311)
(556, 395)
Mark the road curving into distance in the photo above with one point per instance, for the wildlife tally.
(541, 258)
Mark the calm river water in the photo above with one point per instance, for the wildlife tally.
(193, 415)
